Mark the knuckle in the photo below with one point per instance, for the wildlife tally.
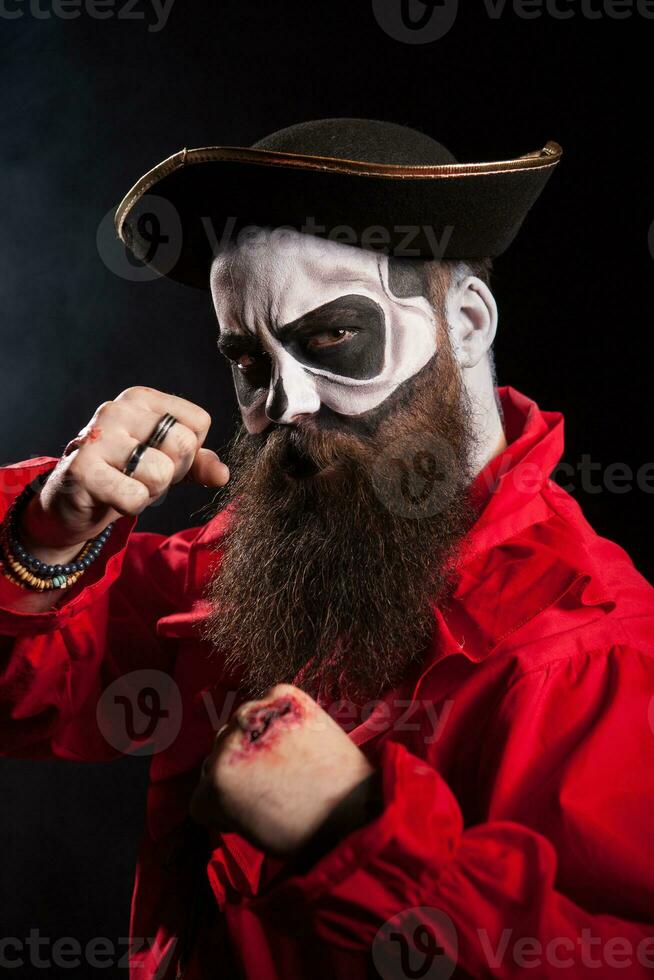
(167, 468)
(85, 467)
(281, 690)
(132, 393)
(134, 498)
(140, 491)
(99, 480)
(241, 713)
(187, 442)
(163, 472)
(76, 469)
(203, 418)
(103, 410)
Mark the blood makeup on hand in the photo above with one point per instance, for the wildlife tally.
(263, 725)
(86, 435)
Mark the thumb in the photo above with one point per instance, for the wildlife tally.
(207, 469)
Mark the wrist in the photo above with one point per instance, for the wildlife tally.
(39, 537)
(24, 567)
(362, 804)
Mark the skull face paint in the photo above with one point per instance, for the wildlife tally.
(309, 322)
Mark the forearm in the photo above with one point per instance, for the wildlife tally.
(58, 661)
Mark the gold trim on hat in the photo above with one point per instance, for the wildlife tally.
(548, 156)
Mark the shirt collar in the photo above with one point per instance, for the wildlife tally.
(507, 492)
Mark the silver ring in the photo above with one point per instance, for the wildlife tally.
(134, 458)
(161, 430)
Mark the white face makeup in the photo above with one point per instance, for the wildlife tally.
(309, 322)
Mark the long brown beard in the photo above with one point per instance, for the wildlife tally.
(321, 582)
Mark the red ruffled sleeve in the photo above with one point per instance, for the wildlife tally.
(55, 665)
(560, 874)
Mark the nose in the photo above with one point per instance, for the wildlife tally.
(292, 395)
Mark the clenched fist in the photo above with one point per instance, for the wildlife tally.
(277, 772)
(88, 489)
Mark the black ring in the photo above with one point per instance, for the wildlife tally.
(135, 458)
(161, 430)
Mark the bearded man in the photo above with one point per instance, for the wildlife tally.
(400, 690)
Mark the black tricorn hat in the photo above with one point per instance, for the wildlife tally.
(369, 183)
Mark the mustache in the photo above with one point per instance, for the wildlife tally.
(306, 440)
(323, 582)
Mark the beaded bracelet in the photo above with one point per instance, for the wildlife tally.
(26, 570)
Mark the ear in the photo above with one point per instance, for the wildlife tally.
(472, 319)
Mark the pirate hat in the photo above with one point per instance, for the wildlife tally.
(373, 184)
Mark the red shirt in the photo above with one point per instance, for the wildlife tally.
(518, 786)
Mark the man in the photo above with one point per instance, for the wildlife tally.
(412, 687)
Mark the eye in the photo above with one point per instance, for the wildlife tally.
(329, 338)
(249, 362)
(254, 368)
(245, 361)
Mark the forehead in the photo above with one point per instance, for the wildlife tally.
(273, 277)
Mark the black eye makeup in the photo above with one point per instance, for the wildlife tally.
(251, 366)
(234, 345)
(249, 381)
(345, 337)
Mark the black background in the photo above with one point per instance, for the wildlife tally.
(89, 105)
